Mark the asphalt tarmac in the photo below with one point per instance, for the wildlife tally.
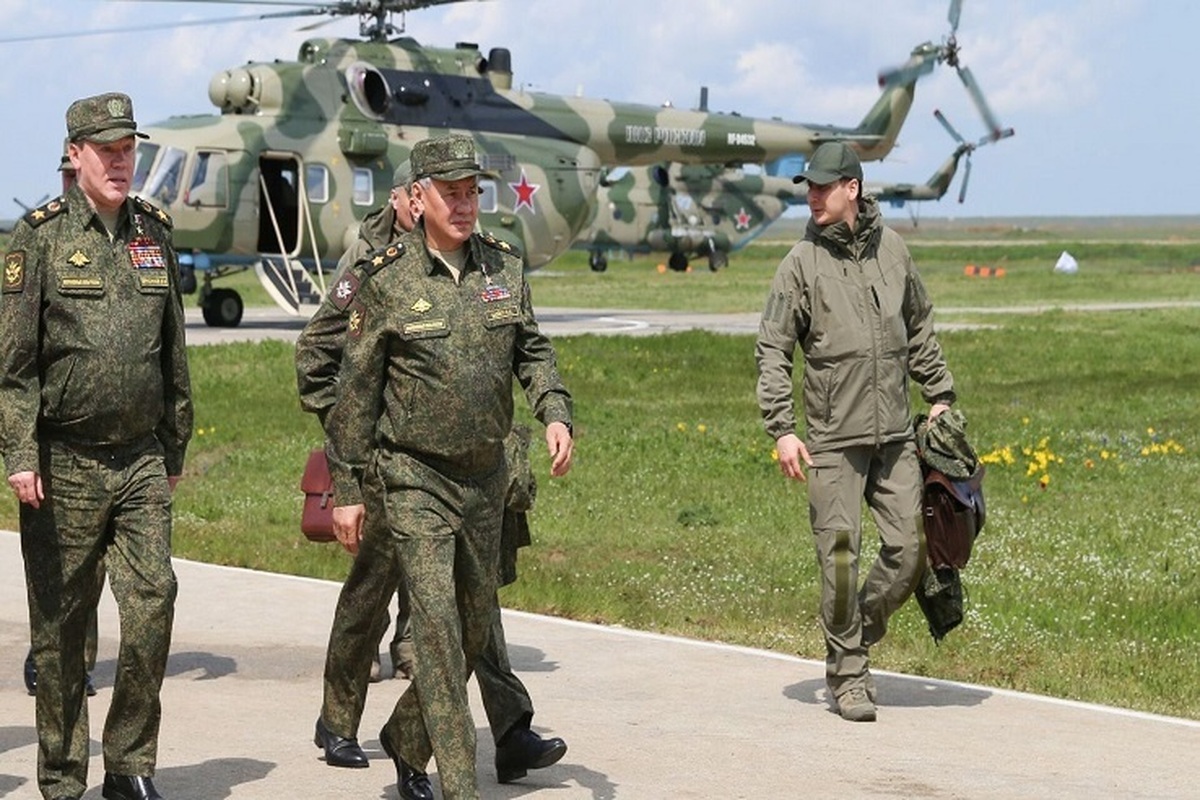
(646, 717)
(261, 323)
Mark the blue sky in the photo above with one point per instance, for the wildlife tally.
(1103, 93)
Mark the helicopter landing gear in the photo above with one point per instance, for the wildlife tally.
(597, 261)
(222, 308)
(717, 259)
(678, 262)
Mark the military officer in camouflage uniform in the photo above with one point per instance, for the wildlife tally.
(95, 416)
(66, 171)
(849, 296)
(376, 570)
(424, 403)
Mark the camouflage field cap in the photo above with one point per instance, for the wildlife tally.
(942, 444)
(103, 118)
(447, 158)
(403, 175)
(831, 162)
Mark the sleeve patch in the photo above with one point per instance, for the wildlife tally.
(14, 272)
(344, 291)
(356, 320)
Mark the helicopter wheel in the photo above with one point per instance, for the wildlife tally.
(222, 308)
(598, 261)
(678, 262)
(718, 259)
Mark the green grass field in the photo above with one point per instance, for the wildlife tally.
(1085, 583)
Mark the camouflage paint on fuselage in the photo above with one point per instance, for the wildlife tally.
(338, 119)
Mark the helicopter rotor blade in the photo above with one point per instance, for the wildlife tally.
(962, 191)
(922, 62)
(312, 26)
(949, 128)
(331, 7)
(953, 16)
(989, 119)
(73, 34)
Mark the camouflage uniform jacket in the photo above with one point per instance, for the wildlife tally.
(855, 304)
(319, 347)
(93, 333)
(429, 363)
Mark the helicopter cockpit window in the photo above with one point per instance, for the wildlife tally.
(488, 197)
(163, 185)
(364, 187)
(143, 160)
(210, 181)
(316, 183)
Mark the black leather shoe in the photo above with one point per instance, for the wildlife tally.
(30, 675)
(89, 687)
(129, 787)
(339, 752)
(412, 784)
(522, 750)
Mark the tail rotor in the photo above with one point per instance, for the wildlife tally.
(966, 148)
(926, 56)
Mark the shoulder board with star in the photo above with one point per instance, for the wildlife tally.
(374, 261)
(47, 211)
(499, 244)
(154, 211)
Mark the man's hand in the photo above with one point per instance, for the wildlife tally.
(791, 452)
(937, 408)
(27, 486)
(561, 447)
(172, 482)
(347, 526)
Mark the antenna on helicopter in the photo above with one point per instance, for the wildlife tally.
(926, 56)
(966, 148)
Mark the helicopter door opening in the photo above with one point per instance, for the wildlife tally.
(279, 205)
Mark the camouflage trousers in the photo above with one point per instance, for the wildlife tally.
(104, 509)
(888, 478)
(361, 618)
(447, 534)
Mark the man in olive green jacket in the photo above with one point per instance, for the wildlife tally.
(850, 297)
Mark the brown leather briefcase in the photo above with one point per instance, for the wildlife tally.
(316, 521)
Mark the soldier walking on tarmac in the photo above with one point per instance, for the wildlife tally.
(424, 404)
(375, 573)
(95, 417)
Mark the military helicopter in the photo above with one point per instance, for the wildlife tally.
(302, 150)
(711, 210)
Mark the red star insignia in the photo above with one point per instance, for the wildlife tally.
(741, 220)
(525, 192)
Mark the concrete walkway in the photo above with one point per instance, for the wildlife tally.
(646, 717)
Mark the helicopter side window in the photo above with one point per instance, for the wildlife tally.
(143, 160)
(488, 197)
(163, 184)
(316, 183)
(364, 187)
(210, 181)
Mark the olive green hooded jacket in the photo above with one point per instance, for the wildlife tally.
(855, 305)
